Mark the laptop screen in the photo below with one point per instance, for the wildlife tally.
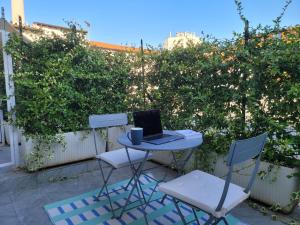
(148, 120)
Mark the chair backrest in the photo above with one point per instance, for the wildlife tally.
(108, 120)
(241, 151)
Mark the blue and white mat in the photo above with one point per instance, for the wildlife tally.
(86, 209)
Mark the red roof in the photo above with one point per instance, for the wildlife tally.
(113, 47)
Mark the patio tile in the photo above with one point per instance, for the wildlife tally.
(16, 181)
(89, 181)
(23, 205)
(27, 182)
(74, 169)
(92, 165)
(30, 198)
(34, 216)
(5, 199)
(252, 217)
(66, 189)
(8, 215)
(45, 175)
(71, 170)
(296, 213)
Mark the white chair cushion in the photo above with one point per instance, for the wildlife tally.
(204, 191)
(118, 158)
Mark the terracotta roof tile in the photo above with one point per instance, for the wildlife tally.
(113, 47)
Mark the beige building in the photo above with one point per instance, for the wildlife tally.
(182, 39)
(37, 29)
(17, 11)
(34, 31)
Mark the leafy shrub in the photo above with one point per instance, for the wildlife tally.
(226, 89)
(204, 88)
(61, 81)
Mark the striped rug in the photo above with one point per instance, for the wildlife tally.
(86, 209)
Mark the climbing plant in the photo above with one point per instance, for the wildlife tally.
(60, 81)
(226, 89)
(199, 87)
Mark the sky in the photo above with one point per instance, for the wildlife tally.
(127, 21)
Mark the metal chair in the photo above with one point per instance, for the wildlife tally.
(115, 159)
(213, 195)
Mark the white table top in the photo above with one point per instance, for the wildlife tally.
(178, 145)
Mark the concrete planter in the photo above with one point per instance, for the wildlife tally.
(274, 188)
(164, 158)
(2, 135)
(79, 146)
(113, 135)
(6, 133)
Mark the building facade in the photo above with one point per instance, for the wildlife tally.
(181, 39)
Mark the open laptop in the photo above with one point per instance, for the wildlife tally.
(150, 122)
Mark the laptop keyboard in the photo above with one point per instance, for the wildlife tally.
(154, 137)
(164, 139)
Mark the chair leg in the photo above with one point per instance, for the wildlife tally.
(196, 217)
(139, 190)
(225, 221)
(106, 188)
(143, 194)
(179, 212)
(163, 199)
(129, 182)
(219, 219)
(136, 178)
(156, 185)
(105, 180)
(211, 220)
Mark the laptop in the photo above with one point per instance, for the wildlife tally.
(152, 129)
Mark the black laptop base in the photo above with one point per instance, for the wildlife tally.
(162, 139)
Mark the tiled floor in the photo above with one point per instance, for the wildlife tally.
(23, 195)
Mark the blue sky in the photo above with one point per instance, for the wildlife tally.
(127, 21)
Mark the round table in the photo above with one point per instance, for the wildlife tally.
(172, 146)
(178, 145)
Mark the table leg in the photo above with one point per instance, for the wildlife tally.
(136, 174)
(179, 167)
(180, 164)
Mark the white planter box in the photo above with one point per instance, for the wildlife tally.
(79, 146)
(113, 135)
(2, 135)
(6, 133)
(275, 188)
(164, 158)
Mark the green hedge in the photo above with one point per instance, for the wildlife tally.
(204, 88)
(60, 81)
